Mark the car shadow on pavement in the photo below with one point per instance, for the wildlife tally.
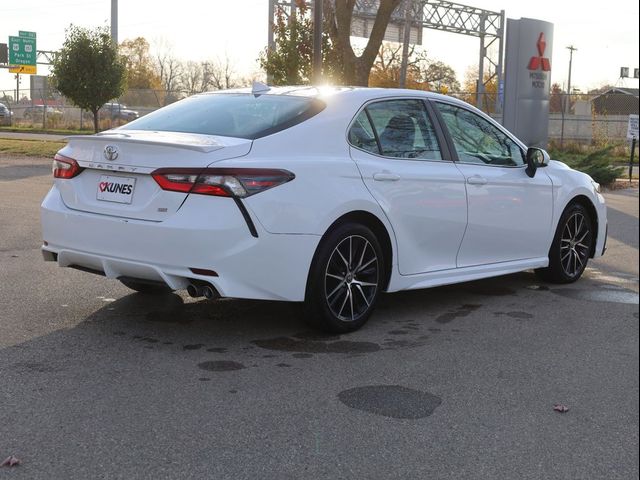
(401, 320)
(188, 322)
(249, 329)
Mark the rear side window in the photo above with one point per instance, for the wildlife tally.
(398, 128)
(361, 134)
(230, 115)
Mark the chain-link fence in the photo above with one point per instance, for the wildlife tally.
(49, 110)
(582, 119)
(592, 119)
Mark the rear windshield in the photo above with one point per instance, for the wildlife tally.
(231, 115)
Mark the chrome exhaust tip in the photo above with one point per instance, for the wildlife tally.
(194, 291)
(208, 292)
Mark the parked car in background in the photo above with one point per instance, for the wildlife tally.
(5, 115)
(325, 196)
(36, 112)
(117, 111)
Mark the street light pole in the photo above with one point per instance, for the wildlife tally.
(317, 41)
(114, 21)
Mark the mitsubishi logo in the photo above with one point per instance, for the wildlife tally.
(540, 61)
(111, 152)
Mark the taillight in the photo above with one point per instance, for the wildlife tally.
(64, 167)
(221, 182)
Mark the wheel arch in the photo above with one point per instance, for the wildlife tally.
(586, 202)
(378, 228)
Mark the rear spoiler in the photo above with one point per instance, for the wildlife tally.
(187, 141)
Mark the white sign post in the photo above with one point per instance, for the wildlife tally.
(632, 134)
(632, 128)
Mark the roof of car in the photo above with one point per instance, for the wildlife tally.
(328, 91)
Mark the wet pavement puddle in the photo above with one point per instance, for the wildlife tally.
(305, 345)
(518, 315)
(460, 312)
(221, 366)
(393, 401)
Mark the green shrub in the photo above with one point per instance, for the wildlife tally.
(598, 165)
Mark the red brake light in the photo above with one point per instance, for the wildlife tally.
(221, 182)
(64, 167)
(176, 179)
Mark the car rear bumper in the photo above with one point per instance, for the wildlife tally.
(206, 233)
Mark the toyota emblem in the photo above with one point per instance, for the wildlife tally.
(111, 152)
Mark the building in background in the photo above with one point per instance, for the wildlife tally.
(616, 101)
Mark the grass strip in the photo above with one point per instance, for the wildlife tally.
(30, 148)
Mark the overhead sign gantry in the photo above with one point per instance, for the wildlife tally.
(415, 15)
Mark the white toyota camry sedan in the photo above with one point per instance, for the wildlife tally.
(327, 196)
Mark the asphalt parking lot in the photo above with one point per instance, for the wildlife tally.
(449, 383)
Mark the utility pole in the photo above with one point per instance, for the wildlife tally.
(480, 90)
(271, 44)
(114, 21)
(566, 104)
(571, 49)
(317, 41)
(405, 43)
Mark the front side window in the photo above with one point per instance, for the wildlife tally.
(476, 140)
(398, 128)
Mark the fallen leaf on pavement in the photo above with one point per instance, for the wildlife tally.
(561, 408)
(11, 461)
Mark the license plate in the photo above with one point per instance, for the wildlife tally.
(116, 189)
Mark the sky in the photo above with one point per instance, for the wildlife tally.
(605, 33)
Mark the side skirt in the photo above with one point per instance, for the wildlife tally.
(458, 275)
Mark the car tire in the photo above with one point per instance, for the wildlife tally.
(345, 279)
(571, 248)
(146, 288)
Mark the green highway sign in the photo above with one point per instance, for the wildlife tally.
(27, 34)
(22, 50)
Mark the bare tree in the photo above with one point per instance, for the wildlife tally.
(337, 19)
(222, 74)
(197, 77)
(168, 68)
(423, 73)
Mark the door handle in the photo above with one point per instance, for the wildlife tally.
(386, 177)
(477, 180)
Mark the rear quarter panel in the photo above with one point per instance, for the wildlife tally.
(327, 182)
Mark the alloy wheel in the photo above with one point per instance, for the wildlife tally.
(575, 245)
(351, 278)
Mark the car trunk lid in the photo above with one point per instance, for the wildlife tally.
(116, 178)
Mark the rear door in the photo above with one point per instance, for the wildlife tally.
(402, 162)
(510, 214)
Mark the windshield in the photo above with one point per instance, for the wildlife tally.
(230, 115)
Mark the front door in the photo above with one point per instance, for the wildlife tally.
(510, 214)
(397, 151)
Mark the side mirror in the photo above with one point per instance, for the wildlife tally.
(536, 158)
